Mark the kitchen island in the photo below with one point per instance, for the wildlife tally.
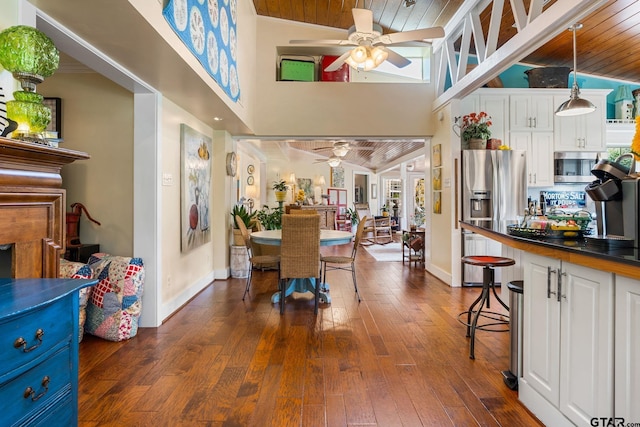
(581, 328)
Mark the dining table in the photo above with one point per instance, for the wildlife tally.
(327, 238)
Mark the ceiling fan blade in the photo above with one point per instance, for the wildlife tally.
(363, 20)
(413, 35)
(397, 59)
(323, 149)
(330, 42)
(337, 63)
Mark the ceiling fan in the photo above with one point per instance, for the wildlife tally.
(370, 50)
(341, 148)
(333, 161)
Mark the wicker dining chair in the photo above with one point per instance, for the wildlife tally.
(254, 259)
(300, 253)
(333, 262)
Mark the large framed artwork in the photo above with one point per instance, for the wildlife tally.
(208, 30)
(195, 183)
(337, 177)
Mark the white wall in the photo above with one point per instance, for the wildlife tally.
(331, 108)
(97, 119)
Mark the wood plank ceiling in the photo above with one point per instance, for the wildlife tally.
(607, 45)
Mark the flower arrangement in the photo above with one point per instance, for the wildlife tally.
(300, 196)
(476, 125)
(635, 142)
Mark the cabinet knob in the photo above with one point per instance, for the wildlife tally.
(22, 343)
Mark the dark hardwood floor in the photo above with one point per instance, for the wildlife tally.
(399, 358)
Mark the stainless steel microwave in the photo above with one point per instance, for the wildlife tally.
(574, 166)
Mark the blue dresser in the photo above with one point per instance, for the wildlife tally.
(39, 351)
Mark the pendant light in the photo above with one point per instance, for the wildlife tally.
(575, 105)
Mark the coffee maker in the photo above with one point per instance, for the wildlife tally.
(616, 194)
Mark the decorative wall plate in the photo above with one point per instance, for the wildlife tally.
(250, 169)
(250, 180)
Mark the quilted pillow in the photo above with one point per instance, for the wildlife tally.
(114, 308)
(78, 270)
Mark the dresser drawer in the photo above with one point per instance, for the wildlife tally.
(55, 321)
(48, 380)
(61, 414)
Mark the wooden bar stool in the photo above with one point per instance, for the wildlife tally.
(497, 322)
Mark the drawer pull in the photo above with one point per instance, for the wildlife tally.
(21, 342)
(29, 392)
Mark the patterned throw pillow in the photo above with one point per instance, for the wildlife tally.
(78, 270)
(114, 308)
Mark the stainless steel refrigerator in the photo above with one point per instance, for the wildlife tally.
(494, 191)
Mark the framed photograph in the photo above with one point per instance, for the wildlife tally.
(437, 202)
(55, 104)
(437, 178)
(436, 157)
(195, 185)
(374, 191)
(337, 177)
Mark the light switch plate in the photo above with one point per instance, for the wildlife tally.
(167, 179)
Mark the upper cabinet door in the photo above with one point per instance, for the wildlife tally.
(582, 133)
(531, 112)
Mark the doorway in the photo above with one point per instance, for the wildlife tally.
(360, 188)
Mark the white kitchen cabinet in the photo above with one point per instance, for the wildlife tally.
(539, 148)
(495, 105)
(567, 342)
(531, 112)
(627, 349)
(586, 132)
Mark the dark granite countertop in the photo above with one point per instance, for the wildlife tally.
(582, 251)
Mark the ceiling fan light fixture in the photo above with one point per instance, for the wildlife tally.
(369, 64)
(334, 161)
(575, 106)
(379, 55)
(340, 151)
(359, 54)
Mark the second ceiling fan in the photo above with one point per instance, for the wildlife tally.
(370, 50)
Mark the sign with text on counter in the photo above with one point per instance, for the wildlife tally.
(567, 200)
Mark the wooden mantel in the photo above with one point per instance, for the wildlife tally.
(31, 164)
(32, 206)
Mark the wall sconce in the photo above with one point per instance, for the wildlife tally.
(30, 56)
(251, 192)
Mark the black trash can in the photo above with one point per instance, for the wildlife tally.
(516, 304)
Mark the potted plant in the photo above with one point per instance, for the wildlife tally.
(248, 219)
(475, 129)
(280, 188)
(270, 218)
(352, 214)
